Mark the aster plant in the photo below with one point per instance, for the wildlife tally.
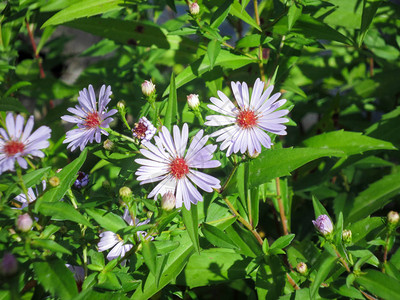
(250, 149)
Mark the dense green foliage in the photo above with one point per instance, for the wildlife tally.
(337, 62)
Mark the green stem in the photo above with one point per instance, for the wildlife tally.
(110, 131)
(22, 184)
(72, 198)
(229, 179)
(199, 116)
(125, 121)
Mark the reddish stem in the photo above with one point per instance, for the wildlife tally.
(42, 75)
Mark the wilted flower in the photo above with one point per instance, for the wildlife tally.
(24, 222)
(144, 130)
(301, 268)
(108, 145)
(323, 225)
(193, 101)
(82, 180)
(347, 236)
(194, 8)
(32, 195)
(148, 88)
(90, 116)
(168, 163)
(168, 201)
(393, 217)
(248, 123)
(17, 142)
(8, 265)
(109, 239)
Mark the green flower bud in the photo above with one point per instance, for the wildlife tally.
(302, 268)
(54, 181)
(347, 236)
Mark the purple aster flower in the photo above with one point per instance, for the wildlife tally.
(32, 195)
(109, 239)
(79, 273)
(249, 122)
(143, 130)
(89, 116)
(323, 224)
(17, 142)
(82, 180)
(167, 162)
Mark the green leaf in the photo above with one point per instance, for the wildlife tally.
(67, 177)
(213, 266)
(293, 14)
(220, 14)
(376, 196)
(282, 242)
(48, 31)
(280, 162)
(11, 104)
(322, 272)
(62, 211)
(84, 8)
(237, 11)
(253, 40)
(30, 179)
(107, 219)
(175, 262)
(312, 28)
(254, 208)
(191, 220)
(123, 31)
(15, 87)
(56, 278)
(150, 255)
(170, 116)
(380, 284)
(319, 209)
(217, 237)
(349, 142)
(369, 10)
(225, 59)
(213, 49)
(366, 229)
(50, 245)
(244, 239)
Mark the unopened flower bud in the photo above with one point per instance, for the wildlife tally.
(125, 192)
(54, 181)
(121, 105)
(8, 265)
(148, 88)
(347, 236)
(194, 8)
(168, 201)
(108, 145)
(323, 225)
(24, 222)
(301, 268)
(393, 217)
(193, 101)
(82, 180)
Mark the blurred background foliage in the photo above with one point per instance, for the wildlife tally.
(336, 61)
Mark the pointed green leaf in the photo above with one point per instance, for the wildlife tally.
(282, 242)
(220, 14)
(62, 211)
(67, 177)
(150, 255)
(107, 219)
(84, 8)
(237, 11)
(56, 278)
(319, 209)
(50, 245)
(213, 49)
(380, 284)
(191, 220)
(322, 272)
(217, 237)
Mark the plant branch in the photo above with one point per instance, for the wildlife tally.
(260, 50)
(281, 207)
(31, 38)
(220, 191)
(292, 282)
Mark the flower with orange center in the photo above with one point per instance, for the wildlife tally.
(168, 162)
(143, 130)
(17, 142)
(90, 116)
(247, 124)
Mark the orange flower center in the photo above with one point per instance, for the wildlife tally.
(246, 119)
(92, 120)
(13, 147)
(178, 168)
